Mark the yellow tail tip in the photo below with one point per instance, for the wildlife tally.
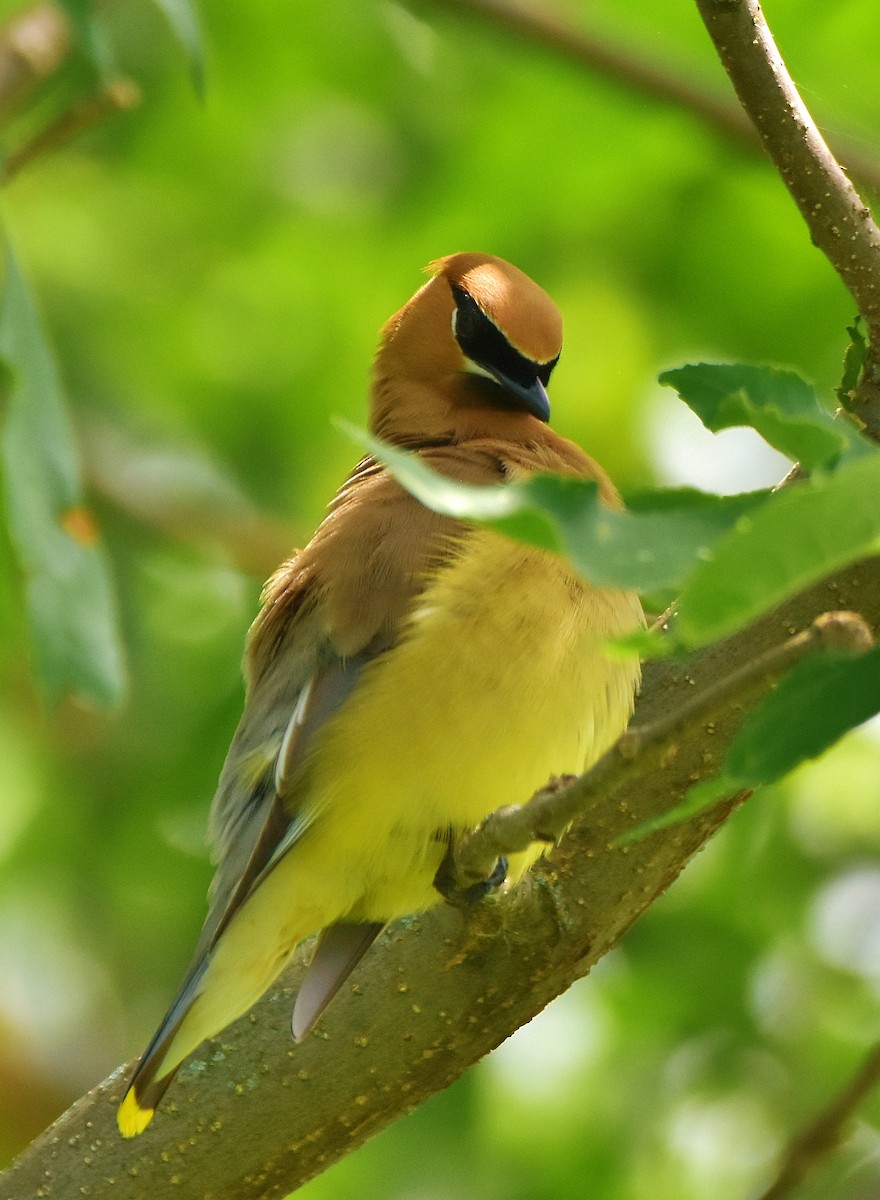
(131, 1118)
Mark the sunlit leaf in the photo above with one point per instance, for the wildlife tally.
(804, 533)
(70, 599)
(779, 404)
(654, 544)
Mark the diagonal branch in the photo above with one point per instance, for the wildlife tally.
(180, 493)
(595, 53)
(826, 1131)
(83, 114)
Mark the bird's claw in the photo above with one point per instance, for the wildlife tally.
(464, 897)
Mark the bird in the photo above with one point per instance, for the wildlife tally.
(408, 672)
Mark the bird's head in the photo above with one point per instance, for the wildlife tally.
(470, 354)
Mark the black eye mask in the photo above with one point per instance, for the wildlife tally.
(485, 344)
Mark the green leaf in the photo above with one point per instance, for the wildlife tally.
(854, 358)
(779, 404)
(437, 492)
(802, 534)
(91, 35)
(820, 699)
(69, 595)
(184, 21)
(654, 545)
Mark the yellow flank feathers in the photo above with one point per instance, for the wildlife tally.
(407, 674)
(131, 1118)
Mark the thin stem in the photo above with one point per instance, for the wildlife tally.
(116, 97)
(824, 1133)
(180, 493)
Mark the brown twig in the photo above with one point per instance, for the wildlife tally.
(638, 74)
(33, 45)
(546, 816)
(825, 1132)
(115, 97)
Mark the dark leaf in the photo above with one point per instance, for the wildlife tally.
(70, 599)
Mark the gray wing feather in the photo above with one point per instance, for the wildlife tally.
(252, 827)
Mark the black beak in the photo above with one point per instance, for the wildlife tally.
(532, 397)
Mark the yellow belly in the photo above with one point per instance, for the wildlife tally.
(500, 682)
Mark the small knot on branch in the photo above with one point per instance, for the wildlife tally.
(843, 631)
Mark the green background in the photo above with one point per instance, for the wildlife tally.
(212, 276)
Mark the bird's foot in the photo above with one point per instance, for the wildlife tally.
(465, 896)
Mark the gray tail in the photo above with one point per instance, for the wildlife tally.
(340, 948)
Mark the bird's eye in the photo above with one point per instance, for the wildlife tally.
(468, 317)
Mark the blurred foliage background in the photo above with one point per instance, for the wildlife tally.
(212, 275)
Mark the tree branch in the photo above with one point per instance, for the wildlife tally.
(825, 1132)
(181, 493)
(839, 221)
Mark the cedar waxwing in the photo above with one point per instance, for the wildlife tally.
(407, 675)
